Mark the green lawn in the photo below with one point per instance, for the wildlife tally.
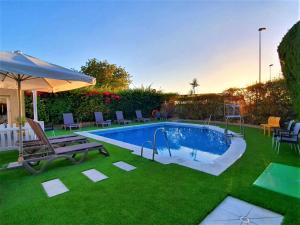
(152, 194)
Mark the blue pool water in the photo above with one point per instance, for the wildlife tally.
(185, 141)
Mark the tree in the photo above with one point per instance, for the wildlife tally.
(289, 55)
(194, 85)
(108, 76)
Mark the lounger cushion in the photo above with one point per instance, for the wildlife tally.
(77, 148)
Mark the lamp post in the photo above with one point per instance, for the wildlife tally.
(259, 31)
(270, 67)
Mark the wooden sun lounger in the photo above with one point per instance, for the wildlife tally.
(60, 140)
(48, 153)
(63, 136)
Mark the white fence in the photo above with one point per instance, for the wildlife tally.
(9, 135)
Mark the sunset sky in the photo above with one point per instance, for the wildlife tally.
(162, 43)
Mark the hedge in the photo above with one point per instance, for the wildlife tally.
(83, 103)
(289, 55)
(258, 102)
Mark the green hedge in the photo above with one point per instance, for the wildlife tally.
(132, 100)
(289, 54)
(258, 102)
(83, 104)
(200, 107)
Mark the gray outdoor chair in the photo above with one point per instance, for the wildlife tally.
(69, 121)
(281, 131)
(120, 118)
(100, 121)
(291, 138)
(139, 116)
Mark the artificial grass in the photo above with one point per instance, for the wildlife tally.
(151, 194)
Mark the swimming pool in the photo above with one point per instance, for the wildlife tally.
(191, 145)
(184, 141)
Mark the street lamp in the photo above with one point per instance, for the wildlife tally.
(270, 66)
(259, 31)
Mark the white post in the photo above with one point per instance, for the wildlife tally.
(34, 102)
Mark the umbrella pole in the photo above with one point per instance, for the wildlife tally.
(20, 159)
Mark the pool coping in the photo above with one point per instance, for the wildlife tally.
(216, 167)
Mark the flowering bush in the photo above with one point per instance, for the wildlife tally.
(109, 97)
(106, 94)
(83, 103)
(92, 93)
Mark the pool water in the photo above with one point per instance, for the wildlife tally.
(185, 141)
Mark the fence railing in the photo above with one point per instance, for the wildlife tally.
(9, 135)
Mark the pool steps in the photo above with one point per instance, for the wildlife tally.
(154, 145)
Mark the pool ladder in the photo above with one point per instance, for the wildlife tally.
(154, 144)
(241, 125)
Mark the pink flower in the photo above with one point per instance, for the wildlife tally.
(117, 97)
(107, 101)
(106, 93)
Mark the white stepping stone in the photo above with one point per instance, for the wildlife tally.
(124, 166)
(13, 165)
(233, 211)
(54, 187)
(94, 175)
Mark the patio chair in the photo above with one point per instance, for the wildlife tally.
(69, 121)
(120, 118)
(139, 116)
(292, 139)
(273, 122)
(48, 152)
(60, 140)
(282, 131)
(100, 121)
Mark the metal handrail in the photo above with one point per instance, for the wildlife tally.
(142, 150)
(241, 123)
(154, 141)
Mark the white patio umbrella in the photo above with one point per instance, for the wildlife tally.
(24, 72)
